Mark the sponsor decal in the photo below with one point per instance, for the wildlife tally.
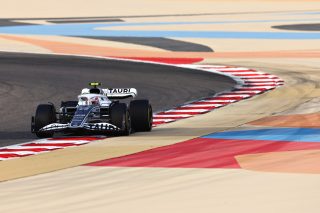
(101, 126)
(119, 90)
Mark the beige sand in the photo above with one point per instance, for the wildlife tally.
(88, 189)
(92, 189)
(16, 46)
(74, 8)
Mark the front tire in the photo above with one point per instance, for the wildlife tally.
(120, 117)
(141, 115)
(45, 115)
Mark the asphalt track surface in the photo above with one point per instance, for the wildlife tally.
(158, 42)
(300, 27)
(27, 80)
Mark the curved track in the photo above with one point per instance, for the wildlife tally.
(255, 170)
(30, 79)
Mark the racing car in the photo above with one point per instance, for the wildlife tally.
(97, 111)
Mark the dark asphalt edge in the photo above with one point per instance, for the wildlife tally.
(299, 27)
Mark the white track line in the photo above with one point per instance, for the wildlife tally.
(180, 115)
(203, 105)
(187, 111)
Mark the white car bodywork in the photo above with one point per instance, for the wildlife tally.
(102, 99)
(90, 101)
(93, 99)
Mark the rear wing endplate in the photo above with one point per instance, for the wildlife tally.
(120, 93)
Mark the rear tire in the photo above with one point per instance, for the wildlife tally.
(120, 117)
(45, 115)
(141, 115)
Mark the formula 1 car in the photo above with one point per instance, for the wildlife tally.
(97, 111)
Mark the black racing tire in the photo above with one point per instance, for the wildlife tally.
(45, 114)
(69, 103)
(120, 117)
(141, 115)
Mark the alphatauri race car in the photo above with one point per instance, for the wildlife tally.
(97, 111)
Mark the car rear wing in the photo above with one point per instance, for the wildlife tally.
(120, 93)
